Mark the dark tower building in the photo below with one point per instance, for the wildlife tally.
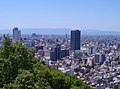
(55, 54)
(75, 39)
(58, 52)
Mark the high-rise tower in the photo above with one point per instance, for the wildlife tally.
(75, 39)
(16, 34)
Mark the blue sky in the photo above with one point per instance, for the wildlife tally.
(81, 14)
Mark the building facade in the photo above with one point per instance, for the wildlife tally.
(16, 34)
(75, 39)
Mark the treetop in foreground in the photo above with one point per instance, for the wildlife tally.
(20, 70)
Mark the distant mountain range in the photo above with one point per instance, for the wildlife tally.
(59, 31)
(100, 32)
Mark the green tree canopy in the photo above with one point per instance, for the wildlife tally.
(20, 70)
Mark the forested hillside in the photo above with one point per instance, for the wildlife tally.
(20, 70)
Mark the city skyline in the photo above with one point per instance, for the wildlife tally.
(82, 14)
(60, 44)
(58, 31)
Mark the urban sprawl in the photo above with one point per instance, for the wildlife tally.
(93, 59)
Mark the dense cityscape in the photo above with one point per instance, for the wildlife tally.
(93, 59)
(59, 44)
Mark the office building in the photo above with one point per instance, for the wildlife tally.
(99, 58)
(55, 53)
(19, 35)
(91, 50)
(75, 39)
(64, 53)
(16, 34)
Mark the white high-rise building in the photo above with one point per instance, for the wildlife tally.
(16, 34)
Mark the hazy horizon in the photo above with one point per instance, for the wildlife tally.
(85, 14)
(60, 31)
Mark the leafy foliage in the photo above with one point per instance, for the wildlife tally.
(20, 70)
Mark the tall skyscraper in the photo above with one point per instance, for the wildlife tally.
(75, 39)
(16, 34)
